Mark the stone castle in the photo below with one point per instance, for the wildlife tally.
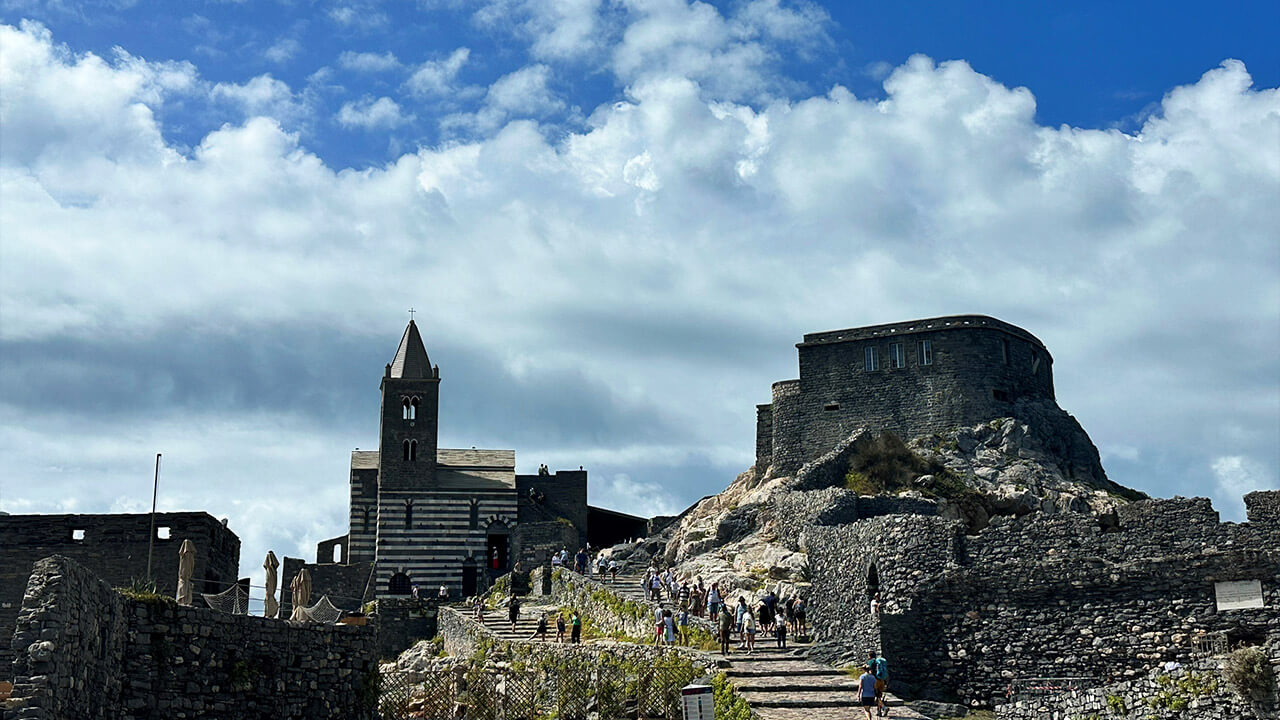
(914, 378)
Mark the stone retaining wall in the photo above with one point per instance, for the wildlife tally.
(1186, 693)
(84, 651)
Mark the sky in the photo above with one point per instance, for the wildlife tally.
(614, 220)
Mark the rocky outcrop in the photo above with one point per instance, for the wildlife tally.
(752, 536)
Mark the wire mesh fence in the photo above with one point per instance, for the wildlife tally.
(572, 688)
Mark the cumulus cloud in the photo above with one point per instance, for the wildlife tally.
(628, 289)
(555, 29)
(370, 114)
(263, 96)
(368, 61)
(1236, 476)
(435, 77)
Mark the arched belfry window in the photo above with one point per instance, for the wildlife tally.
(873, 581)
(406, 408)
(399, 585)
(413, 450)
(408, 514)
(406, 451)
(413, 409)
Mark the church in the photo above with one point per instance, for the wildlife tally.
(425, 516)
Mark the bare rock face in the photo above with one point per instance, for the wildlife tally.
(746, 538)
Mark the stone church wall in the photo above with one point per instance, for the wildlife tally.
(87, 652)
(115, 548)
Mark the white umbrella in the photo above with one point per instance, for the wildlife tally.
(271, 564)
(301, 587)
(186, 568)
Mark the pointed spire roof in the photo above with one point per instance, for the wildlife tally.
(411, 359)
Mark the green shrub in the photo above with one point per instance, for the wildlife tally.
(1116, 705)
(729, 705)
(1249, 673)
(884, 464)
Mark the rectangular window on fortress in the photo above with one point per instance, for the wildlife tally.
(162, 533)
(77, 534)
(926, 352)
(897, 358)
(1004, 351)
(872, 362)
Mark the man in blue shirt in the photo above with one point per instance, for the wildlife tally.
(880, 669)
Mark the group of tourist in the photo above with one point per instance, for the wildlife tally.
(771, 616)
(574, 623)
(602, 567)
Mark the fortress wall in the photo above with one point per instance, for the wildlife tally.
(115, 548)
(967, 383)
(85, 651)
(905, 552)
(764, 437)
(972, 631)
(1263, 507)
(788, 428)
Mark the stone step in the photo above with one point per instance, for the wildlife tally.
(773, 672)
(833, 698)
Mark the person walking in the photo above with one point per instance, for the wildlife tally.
(749, 630)
(668, 627)
(613, 571)
(713, 601)
(867, 690)
(513, 611)
(880, 668)
(542, 628)
(801, 628)
(738, 615)
(560, 627)
(781, 634)
(683, 624)
(726, 627)
(477, 606)
(659, 627)
(575, 628)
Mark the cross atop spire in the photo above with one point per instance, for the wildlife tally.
(411, 312)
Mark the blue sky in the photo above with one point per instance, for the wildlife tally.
(1090, 64)
(615, 218)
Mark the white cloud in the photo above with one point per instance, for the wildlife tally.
(361, 16)
(525, 93)
(263, 96)
(435, 77)
(368, 62)
(635, 497)
(1142, 259)
(282, 50)
(1236, 476)
(556, 29)
(370, 114)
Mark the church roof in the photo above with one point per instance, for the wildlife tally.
(411, 359)
(364, 459)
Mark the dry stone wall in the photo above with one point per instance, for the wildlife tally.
(1184, 693)
(115, 548)
(1038, 596)
(84, 651)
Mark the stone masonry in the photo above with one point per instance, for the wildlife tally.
(114, 547)
(84, 651)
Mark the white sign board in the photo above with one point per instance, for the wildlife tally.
(699, 704)
(1238, 594)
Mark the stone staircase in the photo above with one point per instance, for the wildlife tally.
(785, 685)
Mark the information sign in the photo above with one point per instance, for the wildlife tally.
(699, 703)
(1238, 594)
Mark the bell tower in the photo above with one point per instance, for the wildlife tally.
(410, 409)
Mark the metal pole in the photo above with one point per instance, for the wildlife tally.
(151, 540)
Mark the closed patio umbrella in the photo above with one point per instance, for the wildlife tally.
(271, 565)
(186, 569)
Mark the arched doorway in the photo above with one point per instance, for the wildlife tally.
(469, 575)
(497, 547)
(399, 585)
